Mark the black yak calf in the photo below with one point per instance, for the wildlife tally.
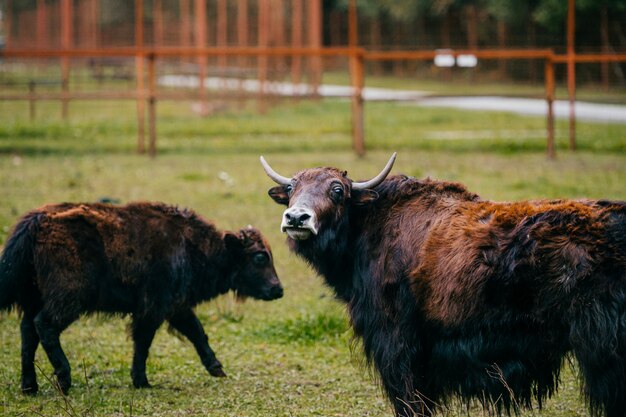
(453, 295)
(152, 261)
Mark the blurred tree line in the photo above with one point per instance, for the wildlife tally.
(472, 24)
(481, 23)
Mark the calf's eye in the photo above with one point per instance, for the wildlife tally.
(260, 259)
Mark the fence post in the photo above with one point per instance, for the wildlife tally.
(66, 44)
(571, 72)
(314, 22)
(262, 59)
(139, 61)
(356, 73)
(549, 77)
(200, 41)
(152, 105)
(242, 40)
(296, 42)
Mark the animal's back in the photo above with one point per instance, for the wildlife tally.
(104, 256)
(504, 287)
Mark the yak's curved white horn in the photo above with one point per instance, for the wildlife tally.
(279, 179)
(378, 178)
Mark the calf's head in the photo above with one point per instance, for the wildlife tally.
(318, 198)
(255, 276)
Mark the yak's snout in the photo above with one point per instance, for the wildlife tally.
(299, 223)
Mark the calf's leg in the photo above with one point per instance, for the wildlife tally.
(188, 324)
(143, 330)
(30, 341)
(49, 328)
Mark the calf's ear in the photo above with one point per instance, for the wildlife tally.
(363, 197)
(233, 242)
(279, 194)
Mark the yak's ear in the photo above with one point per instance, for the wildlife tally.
(233, 242)
(362, 197)
(279, 194)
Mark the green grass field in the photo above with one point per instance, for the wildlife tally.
(290, 357)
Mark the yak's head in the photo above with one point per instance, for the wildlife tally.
(256, 276)
(318, 198)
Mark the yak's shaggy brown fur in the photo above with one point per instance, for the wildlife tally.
(452, 295)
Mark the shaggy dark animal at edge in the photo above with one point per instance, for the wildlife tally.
(151, 261)
(455, 296)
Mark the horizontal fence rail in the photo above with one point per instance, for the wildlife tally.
(147, 92)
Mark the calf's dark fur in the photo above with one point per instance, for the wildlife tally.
(151, 261)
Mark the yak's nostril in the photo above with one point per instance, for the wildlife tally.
(296, 219)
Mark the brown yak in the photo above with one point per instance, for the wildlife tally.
(152, 261)
(456, 296)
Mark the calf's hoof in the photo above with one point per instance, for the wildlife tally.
(217, 371)
(141, 383)
(64, 385)
(30, 388)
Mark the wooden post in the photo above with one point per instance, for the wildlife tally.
(242, 26)
(83, 23)
(356, 73)
(571, 72)
(66, 44)
(549, 77)
(201, 37)
(157, 22)
(277, 37)
(95, 26)
(185, 26)
(8, 25)
(315, 41)
(262, 59)
(42, 24)
(152, 106)
(242, 40)
(222, 34)
(296, 41)
(353, 29)
(139, 63)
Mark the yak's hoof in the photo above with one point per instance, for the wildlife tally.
(217, 372)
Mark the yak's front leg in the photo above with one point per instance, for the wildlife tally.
(143, 331)
(188, 324)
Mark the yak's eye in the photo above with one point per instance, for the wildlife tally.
(336, 193)
(288, 189)
(260, 259)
